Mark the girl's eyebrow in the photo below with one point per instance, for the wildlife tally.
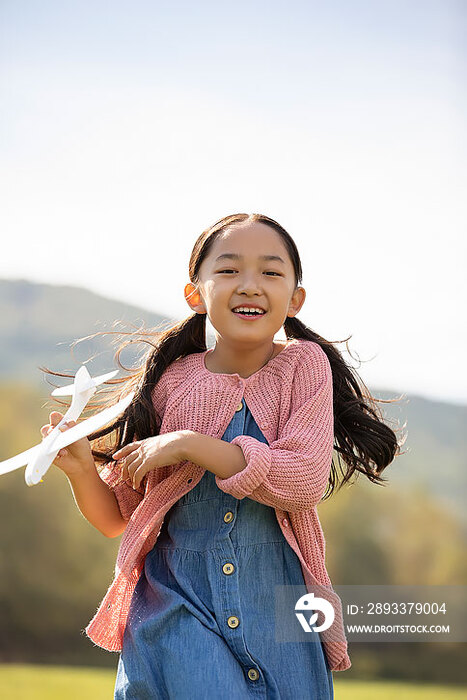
(235, 256)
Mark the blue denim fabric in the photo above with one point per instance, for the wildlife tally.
(178, 644)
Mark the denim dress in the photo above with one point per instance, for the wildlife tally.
(201, 623)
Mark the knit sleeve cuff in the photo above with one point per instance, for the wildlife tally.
(128, 499)
(258, 464)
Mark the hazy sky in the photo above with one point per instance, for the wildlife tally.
(129, 127)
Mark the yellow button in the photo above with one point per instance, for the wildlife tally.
(228, 516)
(253, 674)
(233, 621)
(240, 406)
(228, 568)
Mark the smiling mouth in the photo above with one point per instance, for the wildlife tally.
(249, 315)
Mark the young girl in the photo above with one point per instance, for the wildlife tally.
(214, 477)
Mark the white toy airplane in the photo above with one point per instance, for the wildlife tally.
(39, 458)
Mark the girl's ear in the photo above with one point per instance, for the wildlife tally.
(193, 298)
(297, 301)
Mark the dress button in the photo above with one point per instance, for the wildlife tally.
(240, 406)
(228, 568)
(228, 516)
(253, 674)
(285, 522)
(233, 621)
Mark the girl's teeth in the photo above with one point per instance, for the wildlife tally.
(251, 312)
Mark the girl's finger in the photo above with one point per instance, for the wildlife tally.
(123, 464)
(68, 424)
(133, 466)
(55, 417)
(138, 476)
(124, 472)
(125, 451)
(126, 461)
(120, 454)
(129, 459)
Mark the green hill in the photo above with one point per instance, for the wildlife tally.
(38, 323)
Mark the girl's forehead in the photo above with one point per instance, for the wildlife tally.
(256, 238)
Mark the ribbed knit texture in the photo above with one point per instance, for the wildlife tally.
(291, 400)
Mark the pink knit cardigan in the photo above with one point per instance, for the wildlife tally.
(291, 400)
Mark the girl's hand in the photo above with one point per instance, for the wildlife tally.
(75, 458)
(138, 458)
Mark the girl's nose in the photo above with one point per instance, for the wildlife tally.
(248, 284)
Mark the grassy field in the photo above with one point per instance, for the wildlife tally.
(18, 682)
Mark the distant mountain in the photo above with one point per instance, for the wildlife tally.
(436, 448)
(38, 322)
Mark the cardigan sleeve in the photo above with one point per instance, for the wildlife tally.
(292, 472)
(128, 498)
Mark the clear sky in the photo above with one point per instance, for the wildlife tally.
(126, 128)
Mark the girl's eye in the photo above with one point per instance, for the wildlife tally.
(270, 272)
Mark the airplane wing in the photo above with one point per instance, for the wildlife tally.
(88, 426)
(93, 381)
(18, 461)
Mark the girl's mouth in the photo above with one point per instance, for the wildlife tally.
(249, 316)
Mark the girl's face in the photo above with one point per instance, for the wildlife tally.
(248, 264)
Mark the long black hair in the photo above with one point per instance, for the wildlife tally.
(362, 439)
